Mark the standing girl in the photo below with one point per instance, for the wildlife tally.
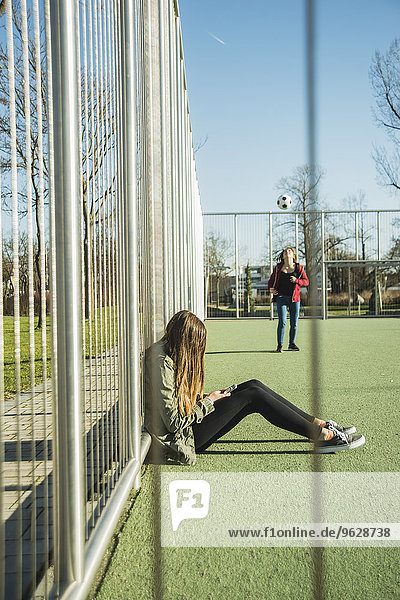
(285, 282)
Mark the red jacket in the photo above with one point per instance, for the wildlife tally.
(273, 281)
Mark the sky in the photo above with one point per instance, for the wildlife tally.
(246, 80)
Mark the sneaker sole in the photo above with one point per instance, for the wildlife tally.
(332, 449)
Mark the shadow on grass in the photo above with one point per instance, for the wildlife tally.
(296, 440)
(254, 452)
(162, 459)
(243, 352)
(27, 360)
(284, 441)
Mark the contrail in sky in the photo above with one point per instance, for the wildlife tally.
(217, 39)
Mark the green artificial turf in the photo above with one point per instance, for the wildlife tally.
(357, 362)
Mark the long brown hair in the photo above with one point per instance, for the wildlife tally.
(186, 337)
(288, 248)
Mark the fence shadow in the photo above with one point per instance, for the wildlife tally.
(28, 531)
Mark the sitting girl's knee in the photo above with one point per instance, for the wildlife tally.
(254, 383)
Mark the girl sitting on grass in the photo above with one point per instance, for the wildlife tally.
(182, 420)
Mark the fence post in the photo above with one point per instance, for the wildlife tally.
(378, 233)
(129, 208)
(376, 291)
(163, 144)
(323, 278)
(356, 232)
(237, 268)
(176, 303)
(349, 292)
(271, 265)
(68, 447)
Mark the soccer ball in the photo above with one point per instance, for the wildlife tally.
(284, 201)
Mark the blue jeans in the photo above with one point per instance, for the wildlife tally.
(282, 304)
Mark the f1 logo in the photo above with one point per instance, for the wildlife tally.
(189, 499)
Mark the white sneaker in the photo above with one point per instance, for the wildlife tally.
(344, 429)
(340, 441)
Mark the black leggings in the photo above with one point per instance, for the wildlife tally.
(252, 397)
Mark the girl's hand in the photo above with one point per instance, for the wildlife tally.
(293, 279)
(214, 396)
(273, 291)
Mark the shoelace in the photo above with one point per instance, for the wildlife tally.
(333, 426)
(340, 434)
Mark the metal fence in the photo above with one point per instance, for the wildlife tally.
(101, 242)
(357, 262)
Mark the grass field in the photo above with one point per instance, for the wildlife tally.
(103, 324)
(360, 383)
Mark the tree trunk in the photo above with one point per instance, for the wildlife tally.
(309, 266)
(37, 263)
(87, 256)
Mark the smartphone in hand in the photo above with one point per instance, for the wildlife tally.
(230, 389)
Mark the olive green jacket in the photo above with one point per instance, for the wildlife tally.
(170, 431)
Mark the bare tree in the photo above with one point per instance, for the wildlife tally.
(387, 166)
(337, 246)
(8, 274)
(385, 80)
(199, 145)
(336, 250)
(96, 202)
(356, 202)
(5, 129)
(217, 250)
(96, 104)
(23, 269)
(303, 186)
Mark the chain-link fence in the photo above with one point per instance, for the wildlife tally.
(357, 262)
